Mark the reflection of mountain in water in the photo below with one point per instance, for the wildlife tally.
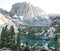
(37, 40)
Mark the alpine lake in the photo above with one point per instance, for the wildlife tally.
(34, 40)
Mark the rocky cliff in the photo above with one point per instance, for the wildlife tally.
(25, 9)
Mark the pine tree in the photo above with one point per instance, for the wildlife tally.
(4, 36)
(57, 44)
(12, 37)
(18, 40)
(8, 37)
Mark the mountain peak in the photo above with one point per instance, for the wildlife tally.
(3, 11)
(25, 9)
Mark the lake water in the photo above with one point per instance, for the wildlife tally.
(37, 40)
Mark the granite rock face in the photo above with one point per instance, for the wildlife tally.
(28, 14)
(25, 9)
(3, 11)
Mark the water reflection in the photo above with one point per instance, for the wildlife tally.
(37, 40)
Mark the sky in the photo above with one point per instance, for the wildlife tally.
(49, 6)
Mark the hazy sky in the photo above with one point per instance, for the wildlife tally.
(50, 6)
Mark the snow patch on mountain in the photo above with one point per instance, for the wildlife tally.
(15, 16)
(21, 17)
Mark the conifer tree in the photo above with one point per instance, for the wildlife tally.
(4, 36)
(8, 37)
(18, 40)
(57, 44)
(12, 37)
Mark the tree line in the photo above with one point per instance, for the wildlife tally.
(8, 38)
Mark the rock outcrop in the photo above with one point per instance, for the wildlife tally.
(25, 9)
